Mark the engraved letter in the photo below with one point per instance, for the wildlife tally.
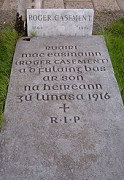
(54, 120)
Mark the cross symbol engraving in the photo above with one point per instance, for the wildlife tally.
(64, 107)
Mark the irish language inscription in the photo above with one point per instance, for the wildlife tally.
(63, 77)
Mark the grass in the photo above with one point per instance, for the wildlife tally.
(8, 37)
(114, 36)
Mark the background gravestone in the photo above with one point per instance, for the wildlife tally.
(57, 22)
(63, 114)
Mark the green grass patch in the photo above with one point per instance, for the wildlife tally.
(114, 37)
(8, 37)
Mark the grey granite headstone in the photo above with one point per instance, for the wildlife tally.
(57, 22)
(63, 114)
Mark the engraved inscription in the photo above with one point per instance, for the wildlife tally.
(60, 21)
(64, 108)
(63, 72)
(63, 18)
(55, 120)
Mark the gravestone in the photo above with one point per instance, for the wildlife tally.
(63, 113)
(57, 22)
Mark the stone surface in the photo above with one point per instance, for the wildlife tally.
(21, 6)
(63, 116)
(100, 5)
(1, 3)
(53, 4)
(121, 4)
(7, 17)
(78, 0)
(57, 22)
(9, 5)
(28, 4)
(106, 5)
(79, 5)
